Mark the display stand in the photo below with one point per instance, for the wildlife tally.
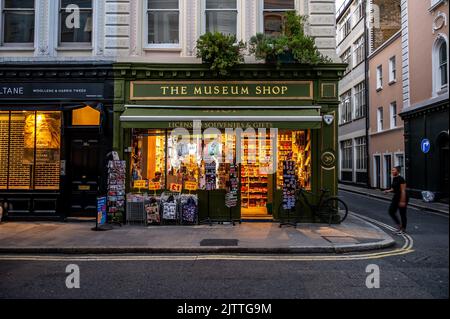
(116, 189)
(210, 183)
(102, 216)
(289, 188)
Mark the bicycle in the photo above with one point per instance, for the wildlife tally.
(328, 207)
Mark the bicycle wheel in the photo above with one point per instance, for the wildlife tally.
(336, 209)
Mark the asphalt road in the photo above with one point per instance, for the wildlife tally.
(422, 273)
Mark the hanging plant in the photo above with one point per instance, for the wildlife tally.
(293, 46)
(220, 51)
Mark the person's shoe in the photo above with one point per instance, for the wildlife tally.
(399, 232)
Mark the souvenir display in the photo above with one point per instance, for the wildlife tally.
(152, 210)
(210, 174)
(189, 208)
(116, 188)
(289, 184)
(231, 197)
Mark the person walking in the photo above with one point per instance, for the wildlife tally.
(399, 200)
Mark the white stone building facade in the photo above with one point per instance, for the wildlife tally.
(118, 30)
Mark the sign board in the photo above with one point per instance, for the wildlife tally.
(215, 90)
(84, 188)
(52, 90)
(140, 184)
(425, 146)
(191, 186)
(175, 188)
(154, 186)
(101, 211)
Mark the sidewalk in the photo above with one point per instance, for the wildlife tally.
(78, 238)
(414, 202)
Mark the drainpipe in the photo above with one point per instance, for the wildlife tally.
(366, 81)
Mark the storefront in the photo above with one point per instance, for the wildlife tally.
(187, 131)
(54, 128)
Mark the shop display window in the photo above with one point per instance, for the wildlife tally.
(30, 144)
(86, 116)
(148, 156)
(295, 146)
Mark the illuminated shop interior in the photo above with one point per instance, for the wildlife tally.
(30, 144)
(159, 157)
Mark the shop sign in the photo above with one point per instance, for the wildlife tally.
(84, 188)
(222, 125)
(140, 184)
(51, 90)
(191, 186)
(154, 186)
(214, 90)
(101, 211)
(175, 188)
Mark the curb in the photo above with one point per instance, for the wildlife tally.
(421, 207)
(340, 249)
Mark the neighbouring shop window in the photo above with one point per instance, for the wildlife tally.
(221, 16)
(18, 19)
(163, 17)
(361, 153)
(75, 22)
(274, 11)
(148, 157)
(86, 116)
(346, 107)
(347, 155)
(360, 100)
(295, 146)
(30, 144)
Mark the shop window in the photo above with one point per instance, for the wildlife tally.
(17, 21)
(163, 25)
(86, 116)
(274, 11)
(221, 16)
(295, 146)
(148, 157)
(75, 22)
(30, 145)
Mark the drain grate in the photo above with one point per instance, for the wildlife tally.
(219, 242)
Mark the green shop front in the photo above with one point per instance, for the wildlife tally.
(184, 129)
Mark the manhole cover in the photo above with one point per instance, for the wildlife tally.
(341, 239)
(219, 242)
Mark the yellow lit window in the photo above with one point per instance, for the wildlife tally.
(87, 116)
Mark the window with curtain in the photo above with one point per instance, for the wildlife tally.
(443, 64)
(361, 153)
(346, 107)
(75, 21)
(221, 16)
(273, 13)
(359, 50)
(360, 100)
(347, 155)
(163, 17)
(18, 18)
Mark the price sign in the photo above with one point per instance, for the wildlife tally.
(139, 184)
(154, 186)
(176, 188)
(191, 186)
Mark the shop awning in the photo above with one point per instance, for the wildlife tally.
(291, 118)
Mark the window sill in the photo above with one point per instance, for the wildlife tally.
(63, 48)
(443, 90)
(393, 82)
(23, 49)
(379, 89)
(163, 48)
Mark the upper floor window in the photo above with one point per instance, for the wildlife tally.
(17, 21)
(274, 11)
(163, 22)
(358, 13)
(440, 65)
(379, 77)
(346, 107)
(360, 100)
(393, 114)
(380, 120)
(392, 70)
(221, 16)
(347, 58)
(75, 22)
(359, 50)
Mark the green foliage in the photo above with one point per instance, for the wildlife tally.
(221, 51)
(293, 46)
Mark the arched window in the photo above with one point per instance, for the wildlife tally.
(443, 64)
(440, 64)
